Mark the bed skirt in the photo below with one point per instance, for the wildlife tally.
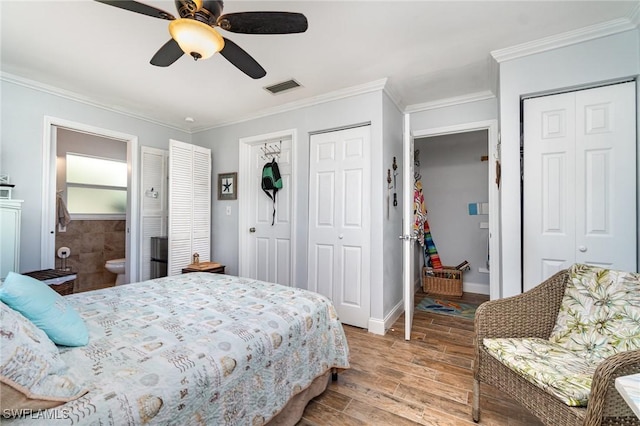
(292, 412)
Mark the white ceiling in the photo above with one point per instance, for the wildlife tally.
(428, 51)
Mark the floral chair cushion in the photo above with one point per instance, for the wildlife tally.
(600, 312)
(559, 371)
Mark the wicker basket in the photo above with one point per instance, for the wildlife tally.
(446, 281)
(60, 281)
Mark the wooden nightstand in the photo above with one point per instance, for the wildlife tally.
(214, 268)
(60, 281)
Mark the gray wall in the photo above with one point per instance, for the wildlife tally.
(581, 65)
(391, 265)
(22, 117)
(24, 109)
(223, 142)
(452, 177)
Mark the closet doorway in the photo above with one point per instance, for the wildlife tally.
(452, 190)
(52, 128)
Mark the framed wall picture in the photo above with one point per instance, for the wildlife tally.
(227, 186)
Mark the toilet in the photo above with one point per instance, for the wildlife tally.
(117, 266)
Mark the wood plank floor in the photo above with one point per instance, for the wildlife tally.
(427, 381)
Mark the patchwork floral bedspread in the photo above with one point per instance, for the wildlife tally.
(197, 348)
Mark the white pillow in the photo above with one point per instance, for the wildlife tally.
(30, 363)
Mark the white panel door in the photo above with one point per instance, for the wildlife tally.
(270, 245)
(579, 181)
(408, 240)
(189, 205)
(339, 221)
(606, 196)
(153, 205)
(549, 186)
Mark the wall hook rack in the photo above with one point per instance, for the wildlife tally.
(271, 151)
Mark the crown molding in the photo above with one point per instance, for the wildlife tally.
(568, 38)
(392, 93)
(373, 86)
(457, 100)
(76, 97)
(634, 16)
(377, 85)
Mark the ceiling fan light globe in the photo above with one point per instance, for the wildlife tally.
(196, 38)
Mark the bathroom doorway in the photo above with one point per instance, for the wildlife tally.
(93, 236)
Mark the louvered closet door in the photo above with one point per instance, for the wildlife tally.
(201, 213)
(153, 211)
(189, 204)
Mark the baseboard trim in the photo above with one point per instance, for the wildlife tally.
(379, 326)
(376, 326)
(475, 288)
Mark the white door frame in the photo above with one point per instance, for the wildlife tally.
(491, 126)
(49, 146)
(245, 216)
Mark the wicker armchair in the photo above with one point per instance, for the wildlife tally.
(533, 314)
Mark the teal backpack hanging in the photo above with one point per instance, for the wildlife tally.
(271, 181)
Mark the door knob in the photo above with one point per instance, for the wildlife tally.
(252, 229)
(582, 248)
(341, 236)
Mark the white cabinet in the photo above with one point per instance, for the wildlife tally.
(10, 214)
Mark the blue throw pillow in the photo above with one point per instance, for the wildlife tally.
(45, 308)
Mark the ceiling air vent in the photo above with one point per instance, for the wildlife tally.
(283, 86)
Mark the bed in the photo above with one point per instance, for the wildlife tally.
(197, 348)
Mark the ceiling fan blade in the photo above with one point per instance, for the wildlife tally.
(263, 22)
(167, 54)
(137, 7)
(242, 60)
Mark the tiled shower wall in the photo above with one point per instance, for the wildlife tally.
(92, 243)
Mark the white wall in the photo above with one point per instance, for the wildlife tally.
(581, 65)
(467, 112)
(23, 109)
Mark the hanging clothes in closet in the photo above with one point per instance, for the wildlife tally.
(421, 228)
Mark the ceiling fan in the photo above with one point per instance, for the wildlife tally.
(194, 32)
